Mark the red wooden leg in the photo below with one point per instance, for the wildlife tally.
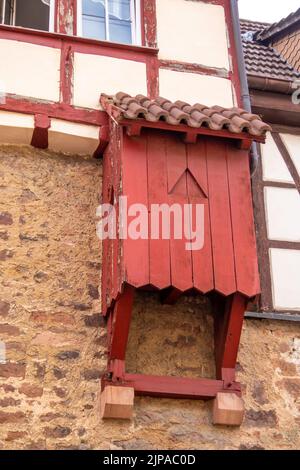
(118, 332)
(229, 316)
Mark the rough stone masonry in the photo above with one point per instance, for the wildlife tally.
(50, 323)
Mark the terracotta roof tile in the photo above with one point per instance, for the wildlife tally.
(235, 120)
(262, 60)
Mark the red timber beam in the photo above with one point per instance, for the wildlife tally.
(118, 332)
(65, 17)
(176, 387)
(40, 133)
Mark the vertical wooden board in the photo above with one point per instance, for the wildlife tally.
(202, 260)
(116, 259)
(134, 171)
(181, 259)
(245, 253)
(176, 163)
(159, 250)
(105, 243)
(220, 216)
(196, 154)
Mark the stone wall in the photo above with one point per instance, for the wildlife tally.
(50, 262)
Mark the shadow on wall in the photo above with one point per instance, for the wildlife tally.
(171, 340)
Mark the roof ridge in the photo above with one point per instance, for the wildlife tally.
(279, 26)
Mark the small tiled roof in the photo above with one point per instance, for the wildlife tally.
(235, 120)
(277, 28)
(262, 60)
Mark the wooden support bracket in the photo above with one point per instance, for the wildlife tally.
(118, 387)
(103, 141)
(40, 133)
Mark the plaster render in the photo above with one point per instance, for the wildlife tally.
(285, 273)
(95, 74)
(30, 70)
(282, 210)
(16, 128)
(193, 32)
(195, 88)
(71, 137)
(292, 143)
(274, 167)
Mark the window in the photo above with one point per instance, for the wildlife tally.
(110, 20)
(35, 14)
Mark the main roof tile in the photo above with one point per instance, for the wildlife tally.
(262, 60)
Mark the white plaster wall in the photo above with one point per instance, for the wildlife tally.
(16, 128)
(283, 214)
(274, 167)
(285, 273)
(71, 137)
(192, 32)
(195, 88)
(94, 75)
(29, 69)
(292, 143)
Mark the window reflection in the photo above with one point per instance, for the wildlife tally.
(107, 19)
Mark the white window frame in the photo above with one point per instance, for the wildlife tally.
(136, 29)
(51, 14)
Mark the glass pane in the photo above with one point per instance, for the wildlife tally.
(32, 14)
(120, 21)
(93, 27)
(93, 19)
(93, 7)
(8, 11)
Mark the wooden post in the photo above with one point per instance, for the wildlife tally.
(228, 329)
(121, 323)
(118, 331)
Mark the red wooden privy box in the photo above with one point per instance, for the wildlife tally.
(162, 152)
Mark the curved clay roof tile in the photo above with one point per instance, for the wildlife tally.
(235, 120)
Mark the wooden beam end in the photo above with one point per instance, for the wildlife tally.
(228, 409)
(116, 402)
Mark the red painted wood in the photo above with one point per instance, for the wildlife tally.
(203, 274)
(178, 66)
(152, 71)
(233, 330)
(159, 250)
(117, 369)
(134, 176)
(244, 240)
(121, 323)
(106, 269)
(174, 387)
(65, 18)
(66, 73)
(181, 259)
(116, 244)
(55, 110)
(103, 141)
(79, 44)
(223, 133)
(149, 31)
(40, 133)
(228, 322)
(221, 232)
